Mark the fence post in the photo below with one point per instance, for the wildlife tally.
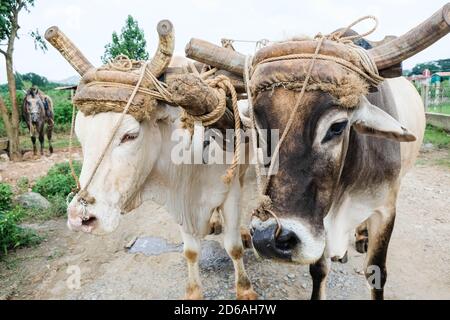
(425, 97)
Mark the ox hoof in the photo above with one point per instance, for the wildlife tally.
(344, 259)
(215, 228)
(361, 245)
(193, 293)
(246, 238)
(249, 294)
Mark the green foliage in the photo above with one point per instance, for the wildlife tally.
(437, 137)
(58, 181)
(62, 105)
(7, 8)
(23, 184)
(433, 66)
(13, 236)
(6, 195)
(131, 42)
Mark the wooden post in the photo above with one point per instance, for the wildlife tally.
(426, 91)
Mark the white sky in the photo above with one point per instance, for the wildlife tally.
(89, 23)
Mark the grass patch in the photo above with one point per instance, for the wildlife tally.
(12, 235)
(444, 162)
(60, 141)
(440, 108)
(438, 137)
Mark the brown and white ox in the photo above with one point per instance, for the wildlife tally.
(140, 164)
(340, 166)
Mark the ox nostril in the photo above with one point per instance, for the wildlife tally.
(89, 222)
(267, 245)
(287, 240)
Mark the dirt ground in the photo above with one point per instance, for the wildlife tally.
(418, 262)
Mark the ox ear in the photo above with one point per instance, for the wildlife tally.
(371, 120)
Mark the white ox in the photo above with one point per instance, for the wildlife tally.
(138, 165)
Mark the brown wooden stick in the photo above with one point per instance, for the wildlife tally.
(414, 41)
(386, 55)
(219, 57)
(68, 50)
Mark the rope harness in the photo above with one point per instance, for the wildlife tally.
(369, 72)
(221, 84)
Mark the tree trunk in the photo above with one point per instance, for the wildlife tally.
(13, 136)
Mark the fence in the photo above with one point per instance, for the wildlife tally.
(436, 96)
(436, 99)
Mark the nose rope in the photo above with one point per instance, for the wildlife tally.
(265, 202)
(83, 195)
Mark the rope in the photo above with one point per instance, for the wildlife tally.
(370, 73)
(223, 87)
(84, 198)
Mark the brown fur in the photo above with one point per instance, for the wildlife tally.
(237, 253)
(191, 256)
(193, 292)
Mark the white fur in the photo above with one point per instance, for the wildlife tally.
(143, 168)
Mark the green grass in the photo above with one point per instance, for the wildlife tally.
(441, 108)
(59, 141)
(438, 137)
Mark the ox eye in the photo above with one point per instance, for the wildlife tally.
(129, 137)
(335, 130)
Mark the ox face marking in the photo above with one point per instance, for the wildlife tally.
(311, 161)
(122, 173)
(34, 107)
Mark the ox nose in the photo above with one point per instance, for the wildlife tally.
(269, 246)
(79, 222)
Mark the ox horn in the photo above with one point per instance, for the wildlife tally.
(164, 53)
(81, 64)
(68, 50)
(414, 41)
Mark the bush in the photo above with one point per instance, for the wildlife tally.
(58, 181)
(13, 236)
(23, 184)
(6, 195)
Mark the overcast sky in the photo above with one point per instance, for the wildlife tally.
(89, 23)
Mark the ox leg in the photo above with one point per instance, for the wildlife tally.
(192, 251)
(319, 273)
(380, 226)
(33, 140)
(49, 135)
(41, 141)
(361, 238)
(233, 245)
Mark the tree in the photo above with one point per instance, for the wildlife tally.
(131, 42)
(9, 27)
(433, 66)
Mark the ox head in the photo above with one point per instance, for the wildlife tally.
(312, 156)
(33, 105)
(127, 161)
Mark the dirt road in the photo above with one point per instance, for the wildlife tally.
(418, 262)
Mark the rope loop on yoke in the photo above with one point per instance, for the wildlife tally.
(223, 86)
(369, 73)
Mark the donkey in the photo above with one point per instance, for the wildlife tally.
(37, 110)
